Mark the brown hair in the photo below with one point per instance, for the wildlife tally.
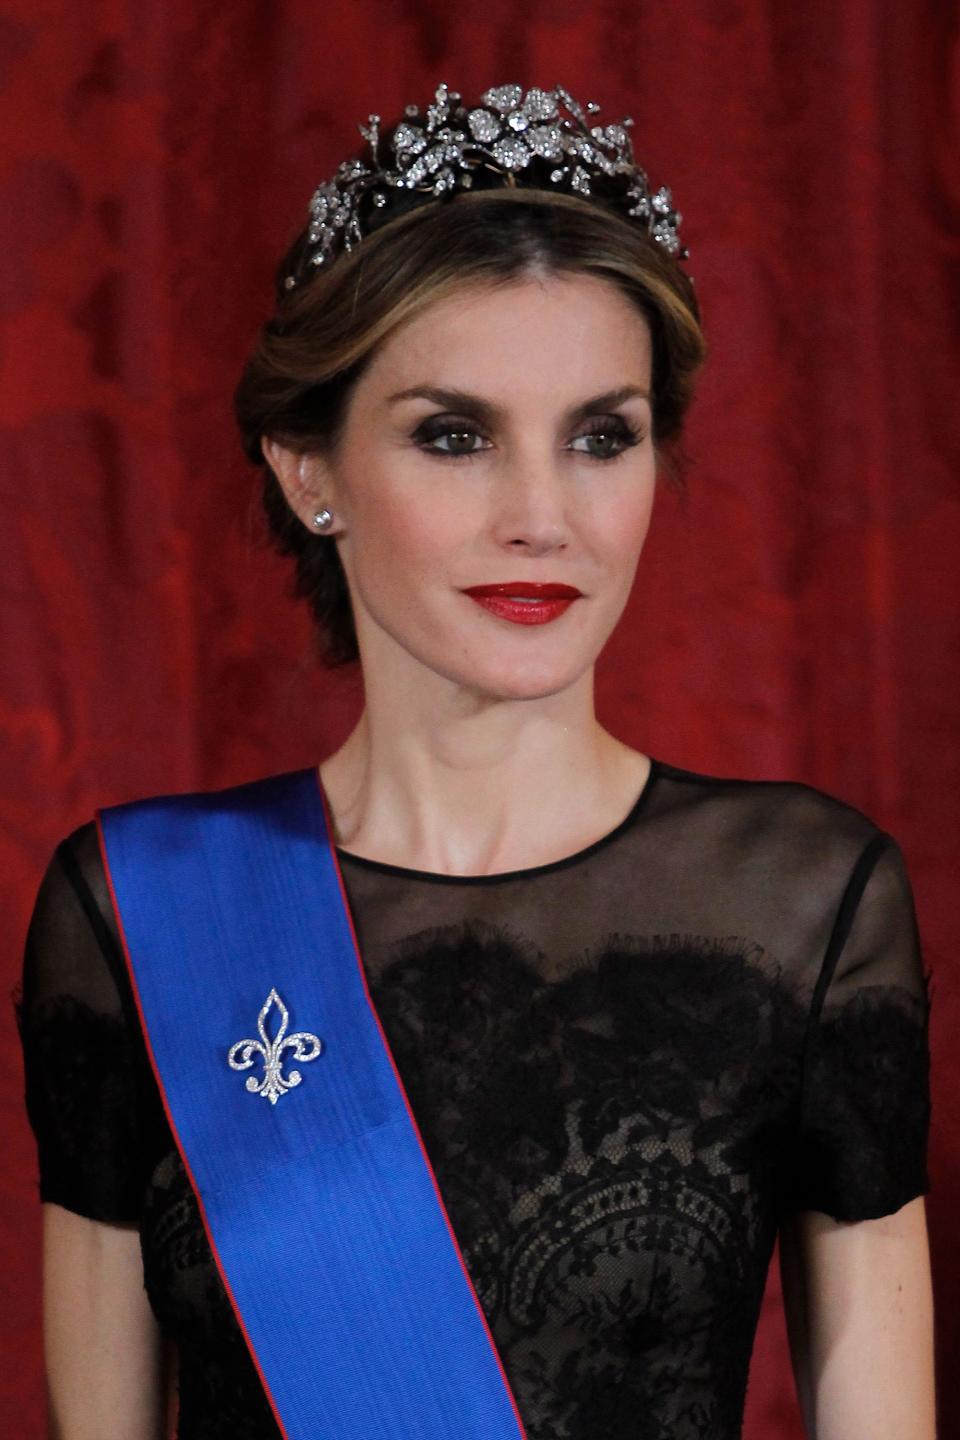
(297, 383)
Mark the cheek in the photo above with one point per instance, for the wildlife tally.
(403, 539)
(621, 525)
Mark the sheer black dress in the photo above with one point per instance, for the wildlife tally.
(627, 1067)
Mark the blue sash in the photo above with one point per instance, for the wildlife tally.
(319, 1200)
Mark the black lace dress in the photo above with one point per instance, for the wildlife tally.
(626, 1066)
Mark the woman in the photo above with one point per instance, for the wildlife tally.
(644, 1020)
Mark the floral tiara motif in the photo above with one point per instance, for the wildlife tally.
(442, 151)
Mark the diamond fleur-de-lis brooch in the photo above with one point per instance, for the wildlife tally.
(274, 1083)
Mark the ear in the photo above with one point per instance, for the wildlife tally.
(304, 479)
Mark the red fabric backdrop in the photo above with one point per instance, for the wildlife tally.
(797, 616)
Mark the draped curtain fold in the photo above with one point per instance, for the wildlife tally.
(795, 614)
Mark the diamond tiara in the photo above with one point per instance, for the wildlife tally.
(452, 147)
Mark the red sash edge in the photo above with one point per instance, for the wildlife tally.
(400, 1086)
(413, 1121)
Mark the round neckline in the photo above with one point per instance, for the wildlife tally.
(439, 878)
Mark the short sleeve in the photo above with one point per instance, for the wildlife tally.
(864, 1123)
(82, 1062)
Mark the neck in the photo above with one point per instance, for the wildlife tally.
(488, 786)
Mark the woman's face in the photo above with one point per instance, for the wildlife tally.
(503, 435)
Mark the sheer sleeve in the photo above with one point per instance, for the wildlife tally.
(861, 1151)
(83, 1053)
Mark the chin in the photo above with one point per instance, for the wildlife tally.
(510, 678)
(529, 667)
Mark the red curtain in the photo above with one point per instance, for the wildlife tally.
(795, 617)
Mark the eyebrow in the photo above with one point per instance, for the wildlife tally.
(489, 412)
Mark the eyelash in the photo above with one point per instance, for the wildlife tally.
(620, 429)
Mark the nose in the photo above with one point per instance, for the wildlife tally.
(531, 507)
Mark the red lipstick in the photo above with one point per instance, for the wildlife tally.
(524, 602)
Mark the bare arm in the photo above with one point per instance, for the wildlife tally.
(102, 1345)
(859, 1308)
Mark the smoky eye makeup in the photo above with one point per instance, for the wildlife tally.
(615, 427)
(437, 425)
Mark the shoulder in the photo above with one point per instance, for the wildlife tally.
(71, 943)
(781, 824)
(75, 883)
(73, 886)
(769, 804)
(276, 791)
(74, 1014)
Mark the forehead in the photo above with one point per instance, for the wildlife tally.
(553, 336)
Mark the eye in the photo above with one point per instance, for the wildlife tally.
(457, 431)
(613, 429)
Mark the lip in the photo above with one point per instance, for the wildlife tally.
(524, 612)
(532, 589)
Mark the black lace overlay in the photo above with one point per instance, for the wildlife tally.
(626, 1067)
